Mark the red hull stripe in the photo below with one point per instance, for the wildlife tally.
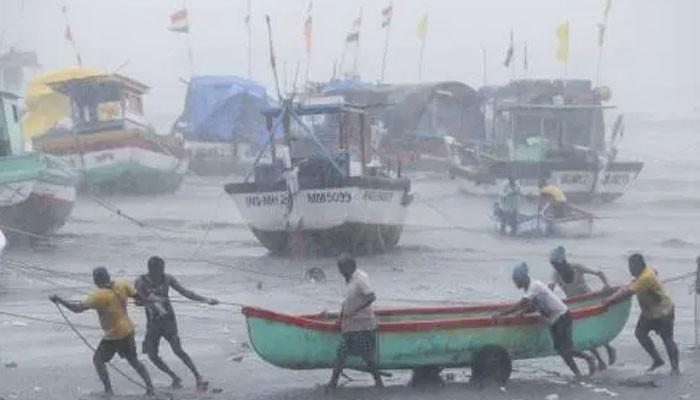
(310, 320)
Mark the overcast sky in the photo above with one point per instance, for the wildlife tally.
(651, 56)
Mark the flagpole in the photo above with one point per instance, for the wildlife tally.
(71, 39)
(386, 42)
(357, 49)
(483, 63)
(250, 44)
(420, 60)
(566, 62)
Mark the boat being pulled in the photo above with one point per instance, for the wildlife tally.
(433, 337)
(326, 196)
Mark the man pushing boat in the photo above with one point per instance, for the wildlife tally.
(571, 279)
(358, 323)
(658, 311)
(555, 313)
(552, 198)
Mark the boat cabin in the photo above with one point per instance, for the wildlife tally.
(11, 140)
(104, 102)
(17, 67)
(325, 130)
(546, 121)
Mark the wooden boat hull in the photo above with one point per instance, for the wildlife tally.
(121, 160)
(581, 182)
(427, 337)
(361, 215)
(37, 194)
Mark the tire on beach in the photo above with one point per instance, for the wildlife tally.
(491, 364)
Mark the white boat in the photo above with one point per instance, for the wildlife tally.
(547, 130)
(325, 198)
(576, 223)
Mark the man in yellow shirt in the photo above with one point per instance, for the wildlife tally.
(109, 300)
(552, 197)
(657, 314)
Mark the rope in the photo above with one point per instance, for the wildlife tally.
(91, 347)
(48, 321)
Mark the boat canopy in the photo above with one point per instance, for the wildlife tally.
(428, 110)
(223, 108)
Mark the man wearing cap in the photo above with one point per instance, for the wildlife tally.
(358, 324)
(658, 311)
(109, 300)
(571, 279)
(554, 312)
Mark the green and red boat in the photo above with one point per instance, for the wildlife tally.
(433, 337)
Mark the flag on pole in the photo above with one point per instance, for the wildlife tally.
(510, 51)
(602, 26)
(178, 21)
(308, 27)
(422, 28)
(68, 35)
(562, 33)
(525, 66)
(354, 34)
(387, 13)
(246, 21)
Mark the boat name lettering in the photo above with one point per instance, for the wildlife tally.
(574, 179)
(378, 195)
(618, 179)
(329, 197)
(266, 200)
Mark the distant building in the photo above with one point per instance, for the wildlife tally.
(16, 68)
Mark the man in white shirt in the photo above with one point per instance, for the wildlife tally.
(553, 311)
(357, 322)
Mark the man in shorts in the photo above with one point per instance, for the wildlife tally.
(571, 279)
(358, 323)
(109, 300)
(153, 288)
(658, 311)
(554, 312)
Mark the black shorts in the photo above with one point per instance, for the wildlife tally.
(562, 333)
(162, 328)
(663, 326)
(359, 343)
(126, 348)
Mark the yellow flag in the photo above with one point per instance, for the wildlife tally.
(422, 27)
(562, 33)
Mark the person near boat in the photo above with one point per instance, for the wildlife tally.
(153, 289)
(553, 311)
(110, 300)
(657, 311)
(508, 206)
(571, 279)
(358, 323)
(552, 198)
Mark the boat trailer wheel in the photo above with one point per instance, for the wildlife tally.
(491, 364)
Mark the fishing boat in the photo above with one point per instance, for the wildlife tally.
(326, 196)
(37, 191)
(108, 142)
(221, 123)
(434, 337)
(577, 223)
(546, 130)
(416, 125)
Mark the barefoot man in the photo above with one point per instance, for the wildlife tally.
(658, 311)
(357, 322)
(153, 288)
(555, 313)
(571, 279)
(109, 300)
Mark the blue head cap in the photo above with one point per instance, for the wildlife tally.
(520, 271)
(557, 255)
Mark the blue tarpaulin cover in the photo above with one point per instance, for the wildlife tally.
(223, 109)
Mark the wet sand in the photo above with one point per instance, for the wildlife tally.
(448, 253)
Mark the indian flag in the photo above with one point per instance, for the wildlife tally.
(178, 21)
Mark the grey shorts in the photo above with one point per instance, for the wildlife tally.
(155, 330)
